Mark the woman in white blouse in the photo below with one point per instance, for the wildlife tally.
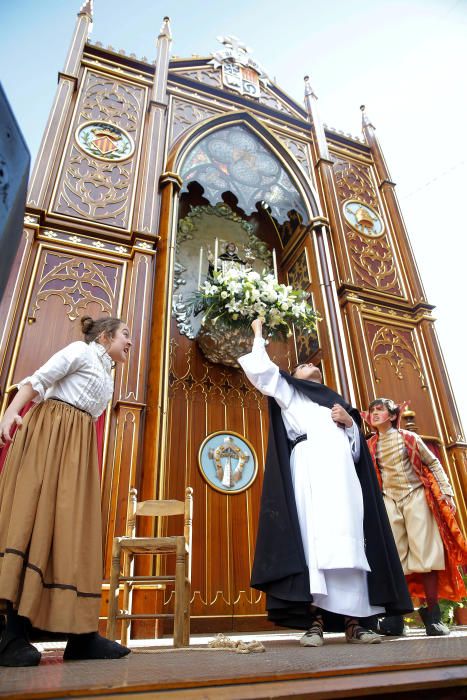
(50, 515)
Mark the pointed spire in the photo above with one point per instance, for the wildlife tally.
(366, 121)
(312, 107)
(308, 89)
(80, 36)
(164, 40)
(86, 9)
(369, 132)
(165, 29)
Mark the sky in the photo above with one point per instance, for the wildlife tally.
(406, 60)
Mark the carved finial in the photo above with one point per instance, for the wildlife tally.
(308, 89)
(165, 29)
(86, 9)
(409, 418)
(365, 120)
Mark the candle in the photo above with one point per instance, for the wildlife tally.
(274, 263)
(216, 251)
(200, 266)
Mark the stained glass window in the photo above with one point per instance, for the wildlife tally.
(233, 159)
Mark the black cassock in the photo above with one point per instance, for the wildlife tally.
(279, 567)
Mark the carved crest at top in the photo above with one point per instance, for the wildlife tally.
(239, 71)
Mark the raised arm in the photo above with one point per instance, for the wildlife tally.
(262, 372)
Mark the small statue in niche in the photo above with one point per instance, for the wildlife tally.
(228, 259)
(291, 225)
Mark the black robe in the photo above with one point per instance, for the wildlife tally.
(279, 567)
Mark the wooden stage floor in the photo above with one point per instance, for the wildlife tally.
(408, 667)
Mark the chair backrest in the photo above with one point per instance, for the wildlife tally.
(161, 508)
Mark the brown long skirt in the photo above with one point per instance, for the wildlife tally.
(50, 520)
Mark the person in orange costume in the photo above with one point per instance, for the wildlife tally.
(419, 502)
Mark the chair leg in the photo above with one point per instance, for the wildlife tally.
(186, 606)
(127, 595)
(114, 590)
(179, 593)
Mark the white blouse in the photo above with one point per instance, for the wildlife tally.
(79, 374)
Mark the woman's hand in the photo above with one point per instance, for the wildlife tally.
(6, 426)
(11, 416)
(257, 326)
(340, 416)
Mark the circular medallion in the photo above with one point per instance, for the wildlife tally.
(363, 218)
(228, 462)
(104, 141)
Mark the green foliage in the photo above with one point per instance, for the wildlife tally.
(448, 606)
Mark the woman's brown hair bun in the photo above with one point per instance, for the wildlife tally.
(93, 328)
(86, 324)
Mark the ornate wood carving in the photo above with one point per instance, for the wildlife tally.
(300, 152)
(88, 187)
(395, 346)
(64, 287)
(208, 76)
(77, 282)
(298, 273)
(354, 181)
(270, 100)
(299, 278)
(374, 263)
(185, 114)
(373, 260)
(83, 241)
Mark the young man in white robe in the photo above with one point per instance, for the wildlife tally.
(311, 555)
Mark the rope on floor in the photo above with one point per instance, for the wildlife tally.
(219, 643)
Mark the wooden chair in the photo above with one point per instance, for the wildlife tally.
(154, 546)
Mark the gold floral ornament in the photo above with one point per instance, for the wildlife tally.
(104, 141)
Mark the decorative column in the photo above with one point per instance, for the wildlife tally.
(157, 397)
(325, 242)
(153, 457)
(67, 83)
(147, 217)
(125, 438)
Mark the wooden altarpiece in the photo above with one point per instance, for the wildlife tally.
(112, 198)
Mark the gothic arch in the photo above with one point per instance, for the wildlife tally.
(190, 139)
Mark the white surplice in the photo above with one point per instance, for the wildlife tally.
(327, 491)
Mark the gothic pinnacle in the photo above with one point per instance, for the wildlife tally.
(86, 9)
(165, 29)
(308, 88)
(365, 120)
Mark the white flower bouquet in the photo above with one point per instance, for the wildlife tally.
(235, 297)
